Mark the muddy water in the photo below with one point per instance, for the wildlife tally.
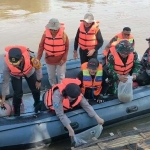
(23, 22)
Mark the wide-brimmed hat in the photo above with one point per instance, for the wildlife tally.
(125, 47)
(93, 64)
(89, 18)
(14, 55)
(53, 24)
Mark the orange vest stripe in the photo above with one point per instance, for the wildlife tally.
(27, 66)
(119, 66)
(55, 46)
(87, 40)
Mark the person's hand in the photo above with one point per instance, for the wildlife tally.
(71, 133)
(38, 85)
(123, 78)
(90, 52)
(99, 120)
(2, 100)
(75, 55)
(134, 76)
(61, 62)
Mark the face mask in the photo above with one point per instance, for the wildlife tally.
(148, 72)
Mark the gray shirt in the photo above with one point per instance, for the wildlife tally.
(57, 104)
(6, 77)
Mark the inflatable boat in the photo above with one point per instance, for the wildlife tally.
(30, 129)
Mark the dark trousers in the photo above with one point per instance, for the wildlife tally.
(83, 55)
(18, 92)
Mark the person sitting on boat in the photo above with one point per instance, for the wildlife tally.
(55, 43)
(92, 80)
(125, 34)
(89, 38)
(143, 77)
(18, 63)
(66, 96)
(122, 61)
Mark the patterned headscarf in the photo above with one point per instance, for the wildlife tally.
(124, 46)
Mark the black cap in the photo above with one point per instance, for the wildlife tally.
(73, 90)
(93, 63)
(148, 39)
(14, 55)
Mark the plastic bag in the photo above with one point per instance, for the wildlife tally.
(125, 91)
(75, 141)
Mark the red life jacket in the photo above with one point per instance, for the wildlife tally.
(54, 46)
(61, 86)
(87, 40)
(88, 82)
(119, 66)
(27, 63)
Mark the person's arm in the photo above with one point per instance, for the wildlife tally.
(76, 40)
(136, 65)
(110, 67)
(41, 47)
(114, 39)
(89, 109)
(58, 106)
(5, 82)
(100, 40)
(80, 77)
(64, 57)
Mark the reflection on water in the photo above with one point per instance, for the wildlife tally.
(16, 8)
(87, 1)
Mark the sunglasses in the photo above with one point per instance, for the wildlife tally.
(54, 30)
(126, 34)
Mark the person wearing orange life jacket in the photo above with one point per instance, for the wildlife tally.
(88, 38)
(92, 80)
(125, 34)
(55, 44)
(143, 77)
(122, 61)
(18, 63)
(65, 96)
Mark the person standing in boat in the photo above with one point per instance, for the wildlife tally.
(55, 43)
(143, 77)
(66, 96)
(125, 34)
(88, 38)
(18, 64)
(92, 80)
(122, 61)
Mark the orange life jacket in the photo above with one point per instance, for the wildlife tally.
(87, 40)
(95, 84)
(55, 46)
(61, 86)
(119, 66)
(27, 63)
(119, 38)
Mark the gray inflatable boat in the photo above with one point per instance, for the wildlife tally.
(30, 129)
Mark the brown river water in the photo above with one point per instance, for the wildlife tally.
(23, 22)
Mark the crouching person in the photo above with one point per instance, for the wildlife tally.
(143, 77)
(92, 80)
(66, 96)
(18, 63)
(122, 61)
